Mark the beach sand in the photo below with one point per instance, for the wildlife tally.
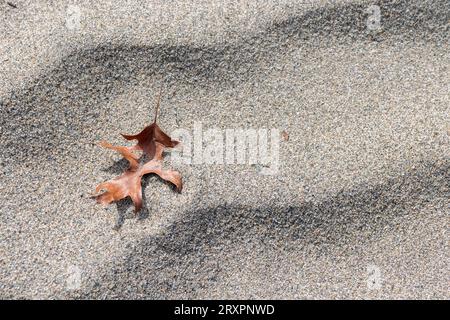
(359, 207)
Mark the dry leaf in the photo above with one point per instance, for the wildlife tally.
(148, 138)
(152, 141)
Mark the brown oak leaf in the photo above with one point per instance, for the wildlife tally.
(151, 141)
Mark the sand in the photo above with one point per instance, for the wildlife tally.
(359, 206)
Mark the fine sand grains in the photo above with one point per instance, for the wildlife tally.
(357, 209)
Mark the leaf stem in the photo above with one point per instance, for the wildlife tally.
(158, 102)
